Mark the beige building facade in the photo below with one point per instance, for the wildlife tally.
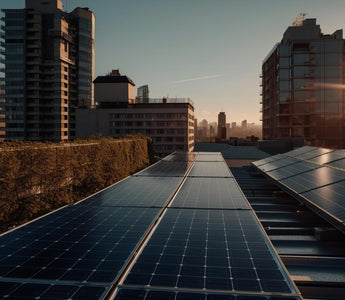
(169, 122)
(170, 125)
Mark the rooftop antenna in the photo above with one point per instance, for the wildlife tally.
(299, 20)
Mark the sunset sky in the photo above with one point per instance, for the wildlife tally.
(209, 51)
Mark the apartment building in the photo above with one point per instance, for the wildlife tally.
(49, 69)
(169, 122)
(302, 86)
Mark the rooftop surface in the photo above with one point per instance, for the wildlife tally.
(180, 229)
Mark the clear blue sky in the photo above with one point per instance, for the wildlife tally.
(209, 51)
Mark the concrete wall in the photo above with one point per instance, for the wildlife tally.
(113, 92)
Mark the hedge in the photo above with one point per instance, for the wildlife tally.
(36, 178)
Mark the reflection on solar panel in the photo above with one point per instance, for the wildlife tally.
(268, 160)
(330, 198)
(154, 191)
(313, 153)
(206, 156)
(166, 169)
(328, 157)
(318, 179)
(78, 245)
(300, 151)
(292, 170)
(209, 250)
(313, 179)
(210, 193)
(210, 169)
(340, 164)
(181, 156)
(278, 164)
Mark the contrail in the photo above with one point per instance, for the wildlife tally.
(198, 78)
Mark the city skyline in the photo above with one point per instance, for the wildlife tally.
(210, 52)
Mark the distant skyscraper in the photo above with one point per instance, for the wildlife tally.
(49, 69)
(302, 86)
(244, 124)
(222, 125)
(143, 93)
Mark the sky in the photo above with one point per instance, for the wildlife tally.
(208, 51)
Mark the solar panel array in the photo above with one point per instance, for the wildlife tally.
(208, 245)
(180, 229)
(314, 175)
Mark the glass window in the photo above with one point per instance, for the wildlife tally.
(284, 73)
(284, 85)
(284, 62)
(301, 58)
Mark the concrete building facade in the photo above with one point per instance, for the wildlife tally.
(169, 122)
(302, 87)
(49, 69)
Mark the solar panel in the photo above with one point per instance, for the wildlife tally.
(155, 294)
(14, 290)
(313, 153)
(328, 157)
(268, 160)
(300, 151)
(210, 193)
(340, 164)
(330, 198)
(313, 179)
(207, 169)
(148, 192)
(292, 170)
(166, 169)
(209, 250)
(206, 156)
(181, 156)
(78, 245)
(278, 164)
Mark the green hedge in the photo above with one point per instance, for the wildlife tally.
(36, 178)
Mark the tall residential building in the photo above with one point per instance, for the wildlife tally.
(49, 69)
(221, 125)
(302, 87)
(169, 122)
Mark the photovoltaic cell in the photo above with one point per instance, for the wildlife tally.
(268, 160)
(210, 169)
(330, 198)
(300, 151)
(209, 250)
(166, 169)
(340, 164)
(292, 170)
(278, 164)
(206, 156)
(152, 294)
(80, 245)
(197, 192)
(313, 153)
(328, 157)
(180, 156)
(43, 291)
(148, 192)
(313, 179)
